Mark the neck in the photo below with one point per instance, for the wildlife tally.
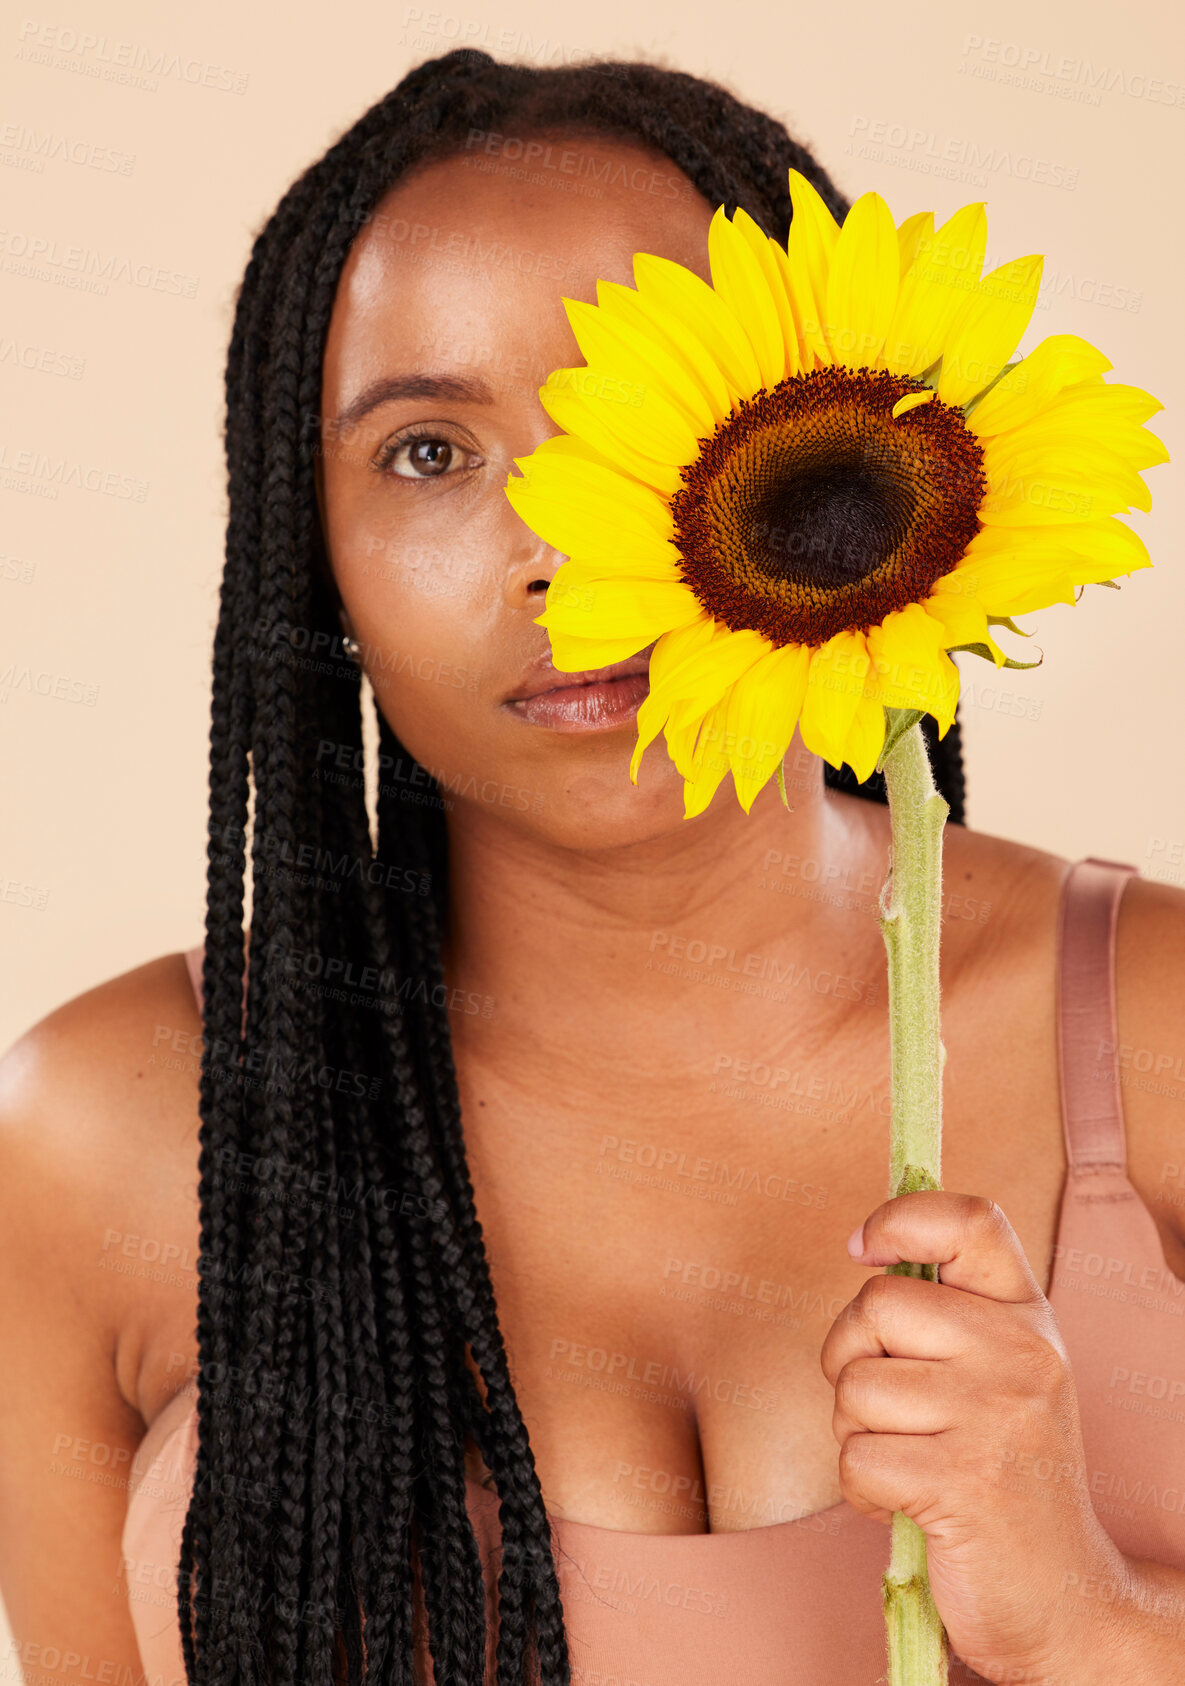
(561, 937)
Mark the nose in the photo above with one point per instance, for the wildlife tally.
(532, 568)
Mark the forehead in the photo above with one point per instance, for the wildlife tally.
(467, 260)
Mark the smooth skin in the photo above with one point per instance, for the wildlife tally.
(613, 1084)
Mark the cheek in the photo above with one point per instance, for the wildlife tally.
(422, 575)
(427, 609)
(421, 568)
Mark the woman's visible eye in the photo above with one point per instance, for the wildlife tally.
(423, 456)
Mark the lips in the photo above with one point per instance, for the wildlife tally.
(544, 677)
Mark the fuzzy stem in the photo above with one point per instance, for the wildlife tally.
(911, 922)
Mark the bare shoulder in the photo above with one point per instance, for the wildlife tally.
(1014, 880)
(98, 1145)
(98, 1162)
(1000, 908)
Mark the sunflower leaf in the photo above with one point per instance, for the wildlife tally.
(1006, 620)
(984, 651)
(898, 721)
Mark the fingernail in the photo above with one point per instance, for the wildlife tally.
(856, 1242)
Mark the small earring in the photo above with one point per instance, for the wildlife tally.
(349, 643)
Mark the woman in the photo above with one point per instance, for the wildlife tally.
(521, 1231)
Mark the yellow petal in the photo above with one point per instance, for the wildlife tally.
(1016, 585)
(597, 403)
(795, 364)
(1098, 404)
(810, 243)
(986, 330)
(582, 509)
(965, 620)
(681, 744)
(660, 568)
(961, 615)
(618, 608)
(909, 666)
(704, 674)
(908, 634)
(1074, 482)
(1095, 417)
(866, 737)
(649, 316)
(670, 652)
(862, 283)
(636, 358)
(1107, 541)
(589, 419)
(579, 655)
(1059, 361)
(1091, 410)
(835, 685)
(702, 311)
(762, 714)
(710, 763)
(1014, 570)
(912, 232)
(765, 250)
(1111, 441)
(933, 290)
(1107, 547)
(689, 669)
(741, 281)
(793, 292)
(567, 445)
(911, 401)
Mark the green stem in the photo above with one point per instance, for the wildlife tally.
(911, 922)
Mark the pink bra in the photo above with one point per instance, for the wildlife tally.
(800, 1600)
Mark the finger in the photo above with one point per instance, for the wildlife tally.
(966, 1235)
(883, 1473)
(908, 1317)
(894, 1396)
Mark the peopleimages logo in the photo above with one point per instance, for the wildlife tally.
(99, 56)
(749, 969)
(923, 150)
(689, 1384)
(40, 148)
(1025, 66)
(69, 264)
(56, 472)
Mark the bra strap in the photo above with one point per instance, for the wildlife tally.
(1088, 1050)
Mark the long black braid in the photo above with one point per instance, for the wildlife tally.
(343, 1271)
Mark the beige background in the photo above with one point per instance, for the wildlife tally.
(1067, 118)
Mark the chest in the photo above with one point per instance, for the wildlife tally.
(668, 1256)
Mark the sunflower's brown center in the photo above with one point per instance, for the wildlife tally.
(810, 510)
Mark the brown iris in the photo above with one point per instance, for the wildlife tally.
(810, 510)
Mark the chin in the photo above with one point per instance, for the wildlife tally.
(598, 808)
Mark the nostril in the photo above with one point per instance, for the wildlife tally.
(538, 585)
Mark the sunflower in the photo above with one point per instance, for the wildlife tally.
(810, 482)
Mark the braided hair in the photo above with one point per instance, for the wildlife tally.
(348, 1338)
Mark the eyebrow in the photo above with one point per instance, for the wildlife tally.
(390, 387)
